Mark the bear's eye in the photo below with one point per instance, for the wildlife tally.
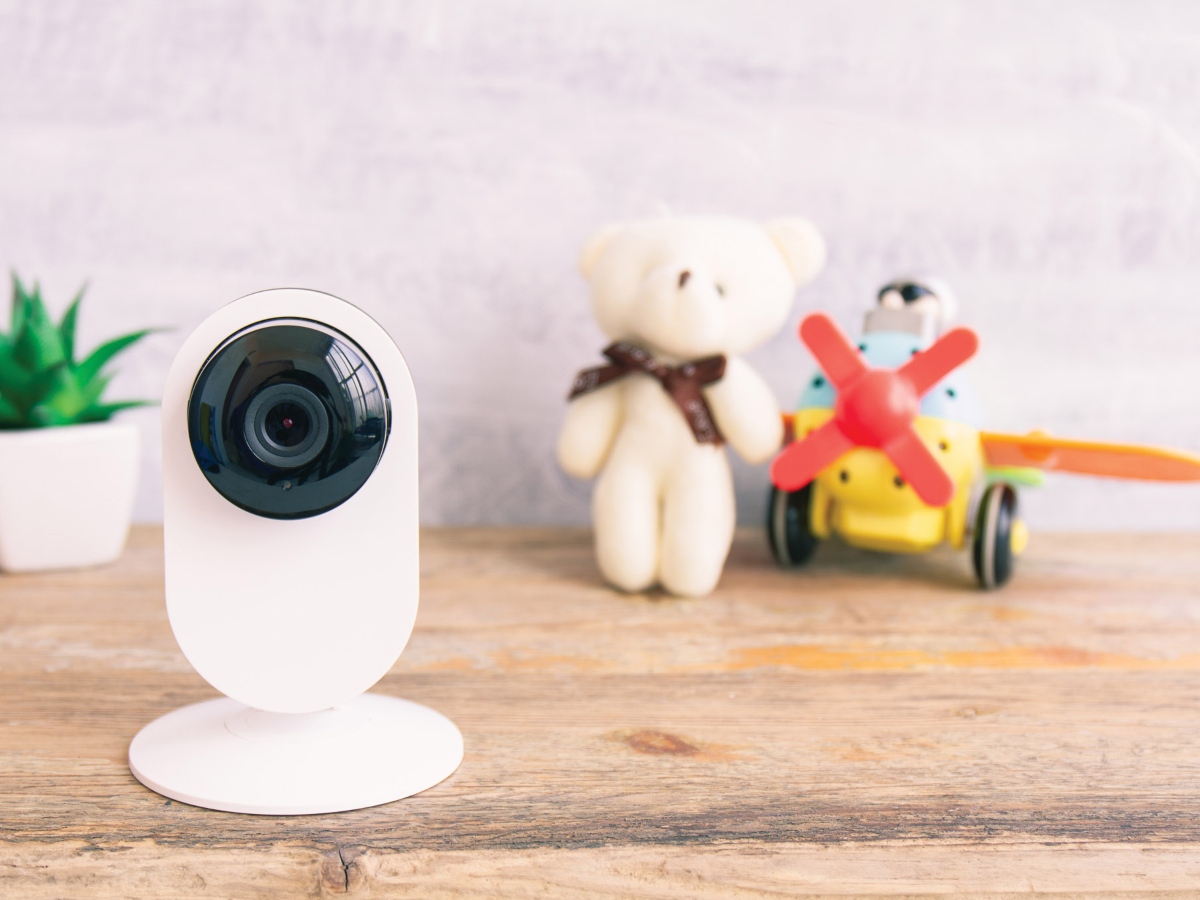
(720, 290)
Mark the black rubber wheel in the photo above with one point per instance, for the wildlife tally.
(992, 552)
(788, 528)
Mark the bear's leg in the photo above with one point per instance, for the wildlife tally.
(698, 522)
(625, 512)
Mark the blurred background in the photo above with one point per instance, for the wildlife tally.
(440, 164)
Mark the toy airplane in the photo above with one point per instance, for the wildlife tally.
(888, 453)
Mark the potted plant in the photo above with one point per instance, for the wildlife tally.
(67, 474)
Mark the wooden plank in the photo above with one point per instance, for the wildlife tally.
(870, 726)
(992, 871)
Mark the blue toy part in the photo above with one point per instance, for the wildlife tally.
(952, 398)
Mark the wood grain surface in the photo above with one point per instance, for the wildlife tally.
(869, 726)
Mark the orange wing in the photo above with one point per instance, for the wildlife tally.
(1042, 451)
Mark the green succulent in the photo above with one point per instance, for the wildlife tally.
(41, 383)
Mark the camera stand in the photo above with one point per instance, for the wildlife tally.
(221, 754)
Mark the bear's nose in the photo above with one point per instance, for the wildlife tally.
(683, 277)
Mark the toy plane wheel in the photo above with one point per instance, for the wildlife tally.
(993, 552)
(788, 528)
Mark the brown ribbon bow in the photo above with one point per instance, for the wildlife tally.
(682, 383)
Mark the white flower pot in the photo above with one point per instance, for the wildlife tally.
(66, 495)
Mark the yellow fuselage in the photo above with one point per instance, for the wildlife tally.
(863, 500)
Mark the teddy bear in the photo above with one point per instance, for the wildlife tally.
(681, 298)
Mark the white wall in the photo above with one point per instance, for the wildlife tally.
(440, 164)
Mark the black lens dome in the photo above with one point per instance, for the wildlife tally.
(288, 419)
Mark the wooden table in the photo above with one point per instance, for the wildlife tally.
(869, 726)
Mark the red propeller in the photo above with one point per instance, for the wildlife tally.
(875, 408)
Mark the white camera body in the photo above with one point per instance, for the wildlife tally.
(289, 425)
(291, 615)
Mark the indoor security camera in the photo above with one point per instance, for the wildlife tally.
(291, 539)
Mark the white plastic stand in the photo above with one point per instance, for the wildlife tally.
(224, 755)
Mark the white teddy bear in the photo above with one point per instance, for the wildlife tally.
(680, 298)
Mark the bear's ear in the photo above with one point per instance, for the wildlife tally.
(594, 247)
(802, 247)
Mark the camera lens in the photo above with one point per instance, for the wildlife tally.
(286, 425)
(288, 418)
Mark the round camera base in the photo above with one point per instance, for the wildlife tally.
(224, 755)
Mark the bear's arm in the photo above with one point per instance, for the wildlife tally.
(746, 412)
(587, 435)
